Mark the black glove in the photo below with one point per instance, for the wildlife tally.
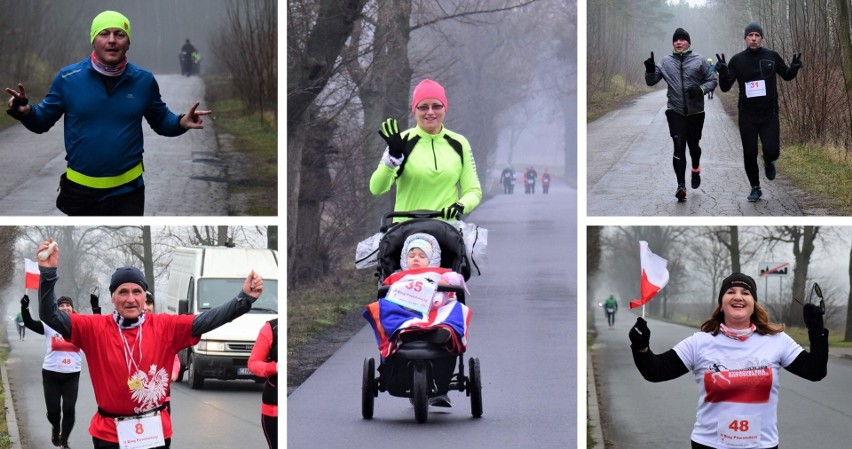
(93, 300)
(390, 132)
(650, 67)
(694, 92)
(452, 211)
(25, 302)
(721, 65)
(797, 61)
(640, 335)
(813, 318)
(17, 102)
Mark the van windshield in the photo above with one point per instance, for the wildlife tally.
(215, 292)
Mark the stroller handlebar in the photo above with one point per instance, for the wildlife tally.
(421, 213)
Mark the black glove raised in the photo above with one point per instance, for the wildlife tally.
(25, 302)
(452, 211)
(640, 335)
(797, 61)
(650, 67)
(390, 132)
(721, 65)
(17, 102)
(93, 300)
(813, 318)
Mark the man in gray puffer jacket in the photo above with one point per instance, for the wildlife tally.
(689, 78)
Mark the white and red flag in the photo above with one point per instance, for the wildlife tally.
(654, 275)
(32, 275)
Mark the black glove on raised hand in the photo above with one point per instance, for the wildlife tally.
(694, 92)
(721, 65)
(390, 132)
(452, 211)
(813, 318)
(25, 302)
(640, 335)
(650, 67)
(93, 300)
(17, 102)
(797, 61)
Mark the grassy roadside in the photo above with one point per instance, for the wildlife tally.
(601, 102)
(823, 173)
(322, 316)
(251, 142)
(5, 441)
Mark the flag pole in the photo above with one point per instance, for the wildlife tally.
(643, 311)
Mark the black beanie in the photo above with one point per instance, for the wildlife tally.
(65, 300)
(753, 28)
(680, 33)
(127, 274)
(738, 280)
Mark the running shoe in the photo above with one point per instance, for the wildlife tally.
(770, 170)
(441, 400)
(755, 194)
(54, 436)
(680, 194)
(696, 177)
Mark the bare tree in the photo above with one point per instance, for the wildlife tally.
(802, 239)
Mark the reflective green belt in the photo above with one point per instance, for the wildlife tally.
(106, 182)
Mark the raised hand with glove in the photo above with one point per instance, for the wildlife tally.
(390, 133)
(25, 302)
(640, 336)
(813, 316)
(721, 65)
(796, 63)
(650, 66)
(695, 91)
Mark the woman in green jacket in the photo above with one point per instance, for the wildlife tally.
(432, 166)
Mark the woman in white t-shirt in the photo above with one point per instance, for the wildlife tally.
(60, 373)
(736, 360)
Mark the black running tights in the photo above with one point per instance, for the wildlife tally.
(270, 430)
(765, 127)
(60, 397)
(685, 130)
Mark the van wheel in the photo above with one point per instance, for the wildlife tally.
(196, 381)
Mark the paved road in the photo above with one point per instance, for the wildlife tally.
(183, 175)
(523, 330)
(639, 414)
(629, 168)
(223, 414)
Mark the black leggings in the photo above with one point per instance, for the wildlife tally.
(701, 446)
(270, 430)
(766, 127)
(97, 443)
(60, 397)
(685, 130)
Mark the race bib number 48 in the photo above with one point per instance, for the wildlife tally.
(739, 430)
(755, 88)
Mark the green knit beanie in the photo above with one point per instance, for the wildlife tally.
(110, 19)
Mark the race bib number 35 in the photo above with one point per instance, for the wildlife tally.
(755, 88)
(140, 433)
(414, 291)
(739, 430)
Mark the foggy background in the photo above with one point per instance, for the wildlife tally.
(700, 257)
(509, 68)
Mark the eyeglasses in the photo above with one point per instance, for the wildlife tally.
(435, 107)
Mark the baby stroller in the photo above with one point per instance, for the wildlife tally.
(420, 370)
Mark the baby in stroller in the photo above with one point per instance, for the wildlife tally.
(445, 322)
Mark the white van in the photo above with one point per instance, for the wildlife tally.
(201, 278)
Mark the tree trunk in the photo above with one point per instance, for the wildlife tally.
(593, 261)
(734, 247)
(803, 247)
(148, 257)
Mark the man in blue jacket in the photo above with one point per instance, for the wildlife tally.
(103, 98)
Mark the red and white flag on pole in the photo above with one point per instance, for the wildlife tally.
(31, 275)
(654, 275)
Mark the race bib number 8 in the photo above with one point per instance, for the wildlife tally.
(755, 88)
(740, 431)
(140, 433)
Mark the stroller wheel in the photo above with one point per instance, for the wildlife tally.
(368, 388)
(420, 393)
(474, 388)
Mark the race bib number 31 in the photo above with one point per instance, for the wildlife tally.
(140, 433)
(414, 291)
(755, 88)
(739, 430)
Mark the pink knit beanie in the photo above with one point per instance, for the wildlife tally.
(428, 89)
